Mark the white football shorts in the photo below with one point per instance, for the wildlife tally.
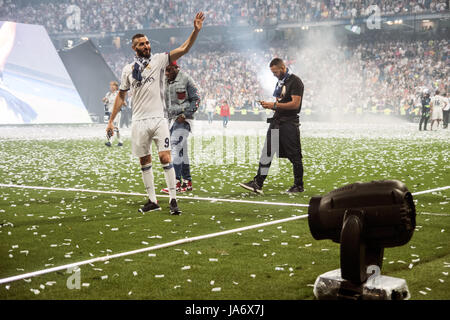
(143, 132)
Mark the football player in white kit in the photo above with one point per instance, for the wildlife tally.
(145, 80)
(109, 100)
(437, 104)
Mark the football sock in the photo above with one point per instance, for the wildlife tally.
(118, 136)
(147, 176)
(169, 173)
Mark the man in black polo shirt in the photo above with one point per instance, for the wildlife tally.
(283, 135)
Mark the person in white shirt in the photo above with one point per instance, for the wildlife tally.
(210, 107)
(437, 104)
(108, 100)
(145, 80)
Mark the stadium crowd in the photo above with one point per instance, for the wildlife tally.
(361, 78)
(118, 15)
(383, 75)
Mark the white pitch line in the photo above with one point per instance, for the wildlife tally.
(160, 246)
(160, 195)
(430, 190)
(434, 214)
(184, 197)
(164, 245)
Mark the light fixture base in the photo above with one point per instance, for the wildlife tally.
(331, 286)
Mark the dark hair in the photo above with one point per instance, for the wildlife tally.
(137, 35)
(437, 92)
(276, 62)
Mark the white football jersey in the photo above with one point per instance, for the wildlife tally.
(111, 98)
(148, 94)
(438, 102)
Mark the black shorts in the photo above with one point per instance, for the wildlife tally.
(289, 145)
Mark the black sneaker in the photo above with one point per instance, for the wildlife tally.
(174, 210)
(108, 144)
(120, 144)
(149, 206)
(295, 189)
(252, 186)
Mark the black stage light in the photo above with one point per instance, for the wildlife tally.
(364, 218)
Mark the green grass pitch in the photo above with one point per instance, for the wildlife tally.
(41, 229)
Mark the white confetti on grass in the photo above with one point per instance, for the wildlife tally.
(35, 291)
(216, 289)
(406, 259)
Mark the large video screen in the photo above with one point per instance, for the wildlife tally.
(35, 87)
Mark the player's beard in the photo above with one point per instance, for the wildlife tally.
(144, 53)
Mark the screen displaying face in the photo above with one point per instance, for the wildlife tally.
(35, 87)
